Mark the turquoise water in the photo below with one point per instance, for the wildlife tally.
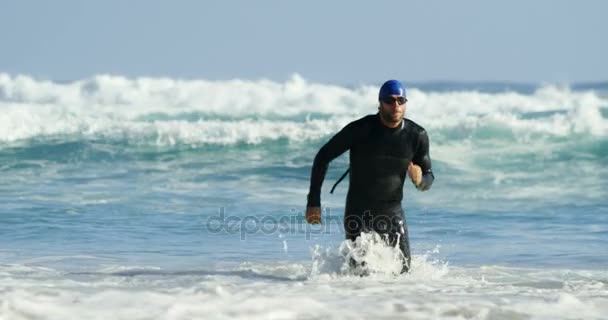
(173, 188)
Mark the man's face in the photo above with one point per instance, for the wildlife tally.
(391, 109)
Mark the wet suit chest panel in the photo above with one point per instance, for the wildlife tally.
(379, 158)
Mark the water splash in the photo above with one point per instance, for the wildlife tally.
(370, 255)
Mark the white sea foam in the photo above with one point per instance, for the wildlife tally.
(226, 112)
(279, 291)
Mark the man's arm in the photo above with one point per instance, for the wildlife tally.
(336, 146)
(423, 160)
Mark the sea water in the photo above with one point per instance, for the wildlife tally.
(160, 198)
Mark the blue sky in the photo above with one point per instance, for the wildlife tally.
(326, 41)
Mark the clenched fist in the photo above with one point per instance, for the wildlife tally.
(313, 215)
(415, 173)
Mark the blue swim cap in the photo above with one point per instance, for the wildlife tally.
(391, 87)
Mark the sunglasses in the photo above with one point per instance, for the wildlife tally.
(391, 100)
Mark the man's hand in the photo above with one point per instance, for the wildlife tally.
(415, 173)
(313, 215)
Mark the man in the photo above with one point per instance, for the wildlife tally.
(383, 147)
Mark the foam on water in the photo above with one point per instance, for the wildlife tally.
(297, 290)
(168, 111)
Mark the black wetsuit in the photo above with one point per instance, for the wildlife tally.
(379, 158)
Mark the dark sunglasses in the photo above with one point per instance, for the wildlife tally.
(391, 100)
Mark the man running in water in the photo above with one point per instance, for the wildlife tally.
(383, 148)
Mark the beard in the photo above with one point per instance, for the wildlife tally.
(390, 117)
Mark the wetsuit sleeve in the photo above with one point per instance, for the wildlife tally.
(336, 146)
(423, 159)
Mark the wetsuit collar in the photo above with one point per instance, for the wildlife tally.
(400, 127)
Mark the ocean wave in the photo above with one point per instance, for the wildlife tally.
(162, 111)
